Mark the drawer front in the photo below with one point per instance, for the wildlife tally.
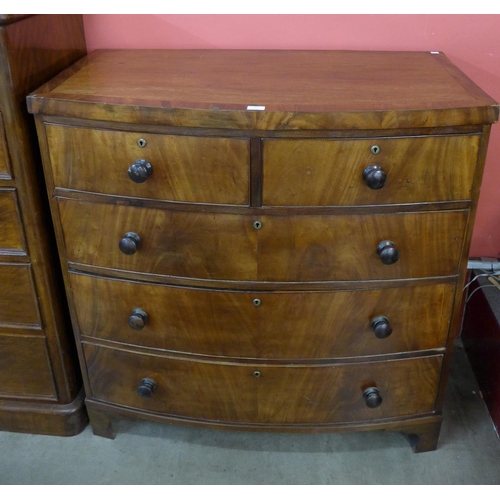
(284, 325)
(24, 367)
(5, 171)
(18, 303)
(330, 172)
(288, 249)
(217, 246)
(280, 395)
(11, 236)
(191, 169)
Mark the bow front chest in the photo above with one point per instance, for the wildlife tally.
(267, 240)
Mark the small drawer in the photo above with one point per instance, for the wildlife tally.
(11, 235)
(18, 305)
(264, 394)
(24, 367)
(368, 171)
(276, 325)
(282, 249)
(167, 167)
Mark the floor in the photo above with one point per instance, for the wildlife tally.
(150, 453)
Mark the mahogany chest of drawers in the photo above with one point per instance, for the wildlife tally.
(40, 383)
(265, 240)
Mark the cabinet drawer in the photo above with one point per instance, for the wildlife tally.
(284, 326)
(297, 394)
(330, 172)
(17, 296)
(11, 236)
(286, 249)
(24, 367)
(183, 168)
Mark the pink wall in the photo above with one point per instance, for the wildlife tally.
(471, 42)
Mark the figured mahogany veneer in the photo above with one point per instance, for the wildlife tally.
(312, 325)
(194, 169)
(329, 172)
(265, 240)
(40, 382)
(228, 247)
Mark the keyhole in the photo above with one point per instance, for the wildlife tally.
(375, 150)
(141, 143)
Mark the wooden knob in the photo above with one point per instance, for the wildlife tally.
(372, 397)
(381, 327)
(130, 243)
(374, 177)
(387, 252)
(138, 319)
(147, 388)
(140, 171)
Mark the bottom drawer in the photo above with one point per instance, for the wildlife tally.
(259, 393)
(24, 367)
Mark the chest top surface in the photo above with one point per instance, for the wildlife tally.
(353, 88)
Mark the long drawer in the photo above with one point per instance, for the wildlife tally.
(181, 168)
(287, 249)
(276, 325)
(330, 172)
(266, 394)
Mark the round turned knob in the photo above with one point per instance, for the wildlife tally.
(372, 397)
(138, 319)
(388, 252)
(147, 388)
(140, 171)
(374, 177)
(381, 327)
(130, 243)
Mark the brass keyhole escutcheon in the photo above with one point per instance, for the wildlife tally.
(257, 224)
(142, 143)
(257, 374)
(256, 302)
(375, 150)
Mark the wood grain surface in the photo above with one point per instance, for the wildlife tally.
(330, 172)
(5, 170)
(297, 325)
(11, 236)
(28, 375)
(280, 395)
(319, 90)
(192, 169)
(223, 246)
(18, 304)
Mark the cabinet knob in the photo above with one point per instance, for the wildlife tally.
(381, 327)
(140, 170)
(130, 243)
(387, 252)
(138, 319)
(147, 388)
(372, 396)
(374, 176)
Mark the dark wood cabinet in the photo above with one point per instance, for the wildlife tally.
(265, 240)
(40, 382)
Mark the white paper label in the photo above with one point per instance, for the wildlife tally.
(256, 108)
